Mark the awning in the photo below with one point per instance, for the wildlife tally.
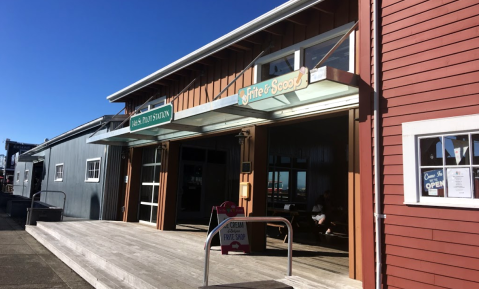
(329, 89)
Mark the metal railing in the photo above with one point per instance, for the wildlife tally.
(33, 199)
(249, 220)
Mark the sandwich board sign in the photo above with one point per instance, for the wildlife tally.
(234, 236)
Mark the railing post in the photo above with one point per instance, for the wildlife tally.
(248, 220)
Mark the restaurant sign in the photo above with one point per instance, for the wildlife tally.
(151, 118)
(276, 86)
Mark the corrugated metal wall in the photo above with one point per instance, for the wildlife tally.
(111, 183)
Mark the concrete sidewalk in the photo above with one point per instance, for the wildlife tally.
(25, 263)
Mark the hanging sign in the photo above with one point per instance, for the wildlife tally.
(234, 236)
(151, 118)
(285, 83)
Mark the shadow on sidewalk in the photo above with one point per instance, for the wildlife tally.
(25, 263)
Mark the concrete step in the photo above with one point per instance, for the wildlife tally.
(98, 251)
(97, 276)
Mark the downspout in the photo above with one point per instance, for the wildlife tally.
(377, 215)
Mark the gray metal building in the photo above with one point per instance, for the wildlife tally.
(88, 174)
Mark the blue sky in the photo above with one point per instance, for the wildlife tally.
(60, 59)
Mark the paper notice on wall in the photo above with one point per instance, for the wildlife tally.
(459, 183)
(460, 149)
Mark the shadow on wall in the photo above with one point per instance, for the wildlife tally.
(94, 207)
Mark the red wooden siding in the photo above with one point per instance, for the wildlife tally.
(430, 69)
(222, 67)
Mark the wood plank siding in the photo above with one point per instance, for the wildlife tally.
(430, 69)
(214, 72)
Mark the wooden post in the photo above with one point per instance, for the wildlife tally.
(166, 217)
(354, 203)
(133, 186)
(255, 150)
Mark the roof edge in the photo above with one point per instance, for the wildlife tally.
(79, 129)
(269, 18)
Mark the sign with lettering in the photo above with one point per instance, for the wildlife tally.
(285, 83)
(234, 236)
(433, 181)
(152, 118)
(459, 183)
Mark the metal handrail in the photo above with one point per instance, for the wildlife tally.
(252, 220)
(33, 198)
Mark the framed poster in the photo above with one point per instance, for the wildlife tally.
(459, 183)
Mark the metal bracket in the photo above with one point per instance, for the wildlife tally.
(382, 216)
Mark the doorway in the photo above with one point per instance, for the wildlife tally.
(37, 176)
(208, 176)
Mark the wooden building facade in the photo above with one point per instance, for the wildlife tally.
(303, 143)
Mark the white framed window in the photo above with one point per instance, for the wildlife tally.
(92, 173)
(152, 104)
(58, 172)
(18, 177)
(25, 176)
(441, 162)
(308, 53)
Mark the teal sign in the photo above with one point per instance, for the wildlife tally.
(276, 86)
(151, 118)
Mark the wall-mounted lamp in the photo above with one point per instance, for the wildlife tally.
(161, 147)
(242, 136)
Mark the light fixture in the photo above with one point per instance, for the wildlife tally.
(161, 147)
(242, 136)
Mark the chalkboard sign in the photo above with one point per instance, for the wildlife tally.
(234, 236)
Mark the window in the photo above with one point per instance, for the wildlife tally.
(92, 170)
(150, 184)
(308, 53)
(339, 59)
(152, 104)
(18, 177)
(25, 176)
(287, 181)
(59, 173)
(441, 162)
(277, 67)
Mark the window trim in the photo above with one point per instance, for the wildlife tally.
(63, 173)
(150, 105)
(92, 180)
(411, 131)
(298, 50)
(18, 177)
(25, 176)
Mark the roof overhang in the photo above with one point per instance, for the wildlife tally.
(272, 17)
(329, 89)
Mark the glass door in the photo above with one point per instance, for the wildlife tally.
(150, 182)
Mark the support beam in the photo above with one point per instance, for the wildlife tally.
(245, 112)
(182, 127)
(277, 29)
(255, 150)
(257, 38)
(298, 19)
(327, 7)
(166, 216)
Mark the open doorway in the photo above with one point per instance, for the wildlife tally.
(37, 176)
(308, 167)
(208, 176)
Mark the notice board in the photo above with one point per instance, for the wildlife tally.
(234, 236)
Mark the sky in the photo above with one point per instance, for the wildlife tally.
(60, 59)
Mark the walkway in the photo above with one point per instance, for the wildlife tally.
(131, 255)
(24, 263)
